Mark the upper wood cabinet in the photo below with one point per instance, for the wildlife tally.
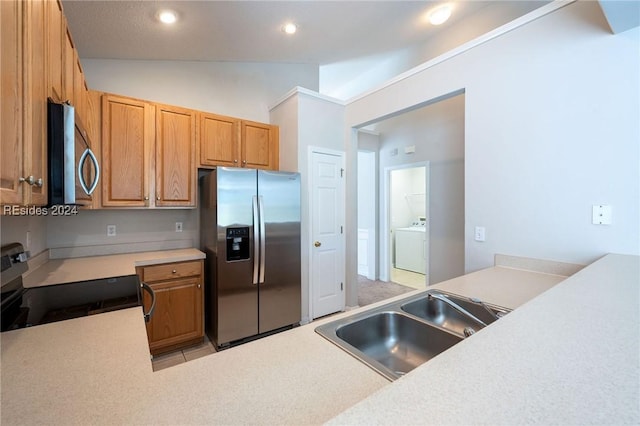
(231, 142)
(148, 154)
(127, 142)
(219, 136)
(176, 172)
(23, 103)
(259, 145)
(55, 49)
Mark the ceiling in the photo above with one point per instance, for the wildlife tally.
(250, 31)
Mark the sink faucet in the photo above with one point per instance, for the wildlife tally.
(457, 307)
(480, 302)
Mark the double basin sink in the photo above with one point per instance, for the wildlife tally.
(395, 338)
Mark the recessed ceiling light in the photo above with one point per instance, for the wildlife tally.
(290, 28)
(440, 14)
(167, 17)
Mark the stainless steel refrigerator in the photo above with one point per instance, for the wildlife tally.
(250, 232)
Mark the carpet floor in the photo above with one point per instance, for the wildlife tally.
(374, 291)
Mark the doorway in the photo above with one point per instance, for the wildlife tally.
(431, 135)
(407, 224)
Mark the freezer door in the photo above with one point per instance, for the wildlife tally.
(237, 295)
(279, 288)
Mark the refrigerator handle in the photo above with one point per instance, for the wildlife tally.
(262, 240)
(256, 239)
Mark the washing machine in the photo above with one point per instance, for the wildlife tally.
(411, 248)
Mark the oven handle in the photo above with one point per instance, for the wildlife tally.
(147, 287)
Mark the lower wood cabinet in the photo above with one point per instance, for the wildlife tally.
(178, 318)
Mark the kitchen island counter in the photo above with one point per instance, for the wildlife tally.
(96, 370)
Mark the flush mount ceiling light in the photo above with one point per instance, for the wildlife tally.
(290, 28)
(440, 14)
(167, 16)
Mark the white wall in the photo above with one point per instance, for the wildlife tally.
(344, 80)
(551, 127)
(307, 120)
(136, 230)
(14, 229)
(244, 90)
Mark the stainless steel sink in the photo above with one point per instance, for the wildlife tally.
(395, 338)
(445, 315)
(396, 341)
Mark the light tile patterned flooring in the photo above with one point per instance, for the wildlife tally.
(408, 278)
(170, 359)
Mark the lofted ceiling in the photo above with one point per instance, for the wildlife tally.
(250, 31)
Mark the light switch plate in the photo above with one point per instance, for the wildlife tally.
(480, 233)
(602, 215)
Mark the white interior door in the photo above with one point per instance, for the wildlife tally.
(327, 232)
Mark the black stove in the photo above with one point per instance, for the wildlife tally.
(26, 307)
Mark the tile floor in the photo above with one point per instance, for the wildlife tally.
(408, 278)
(170, 359)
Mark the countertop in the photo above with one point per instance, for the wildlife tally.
(56, 271)
(568, 356)
(536, 365)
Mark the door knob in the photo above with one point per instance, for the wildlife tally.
(317, 244)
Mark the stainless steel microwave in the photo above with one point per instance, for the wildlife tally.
(74, 171)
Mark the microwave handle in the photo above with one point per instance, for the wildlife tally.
(88, 153)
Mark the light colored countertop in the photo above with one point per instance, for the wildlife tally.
(569, 356)
(57, 271)
(534, 365)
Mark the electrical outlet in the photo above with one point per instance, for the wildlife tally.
(111, 230)
(178, 226)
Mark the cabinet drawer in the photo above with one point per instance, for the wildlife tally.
(170, 271)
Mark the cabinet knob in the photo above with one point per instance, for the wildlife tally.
(244, 161)
(157, 198)
(235, 161)
(173, 272)
(39, 183)
(30, 180)
(199, 286)
(146, 198)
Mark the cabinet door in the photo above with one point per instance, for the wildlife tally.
(79, 89)
(68, 65)
(178, 313)
(54, 49)
(35, 107)
(176, 172)
(11, 102)
(219, 141)
(127, 140)
(259, 146)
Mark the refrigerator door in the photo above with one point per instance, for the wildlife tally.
(237, 295)
(280, 276)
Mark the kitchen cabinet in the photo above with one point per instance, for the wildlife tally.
(127, 141)
(175, 165)
(55, 29)
(259, 145)
(148, 154)
(178, 318)
(231, 142)
(23, 103)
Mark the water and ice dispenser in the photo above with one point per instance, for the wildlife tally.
(238, 243)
